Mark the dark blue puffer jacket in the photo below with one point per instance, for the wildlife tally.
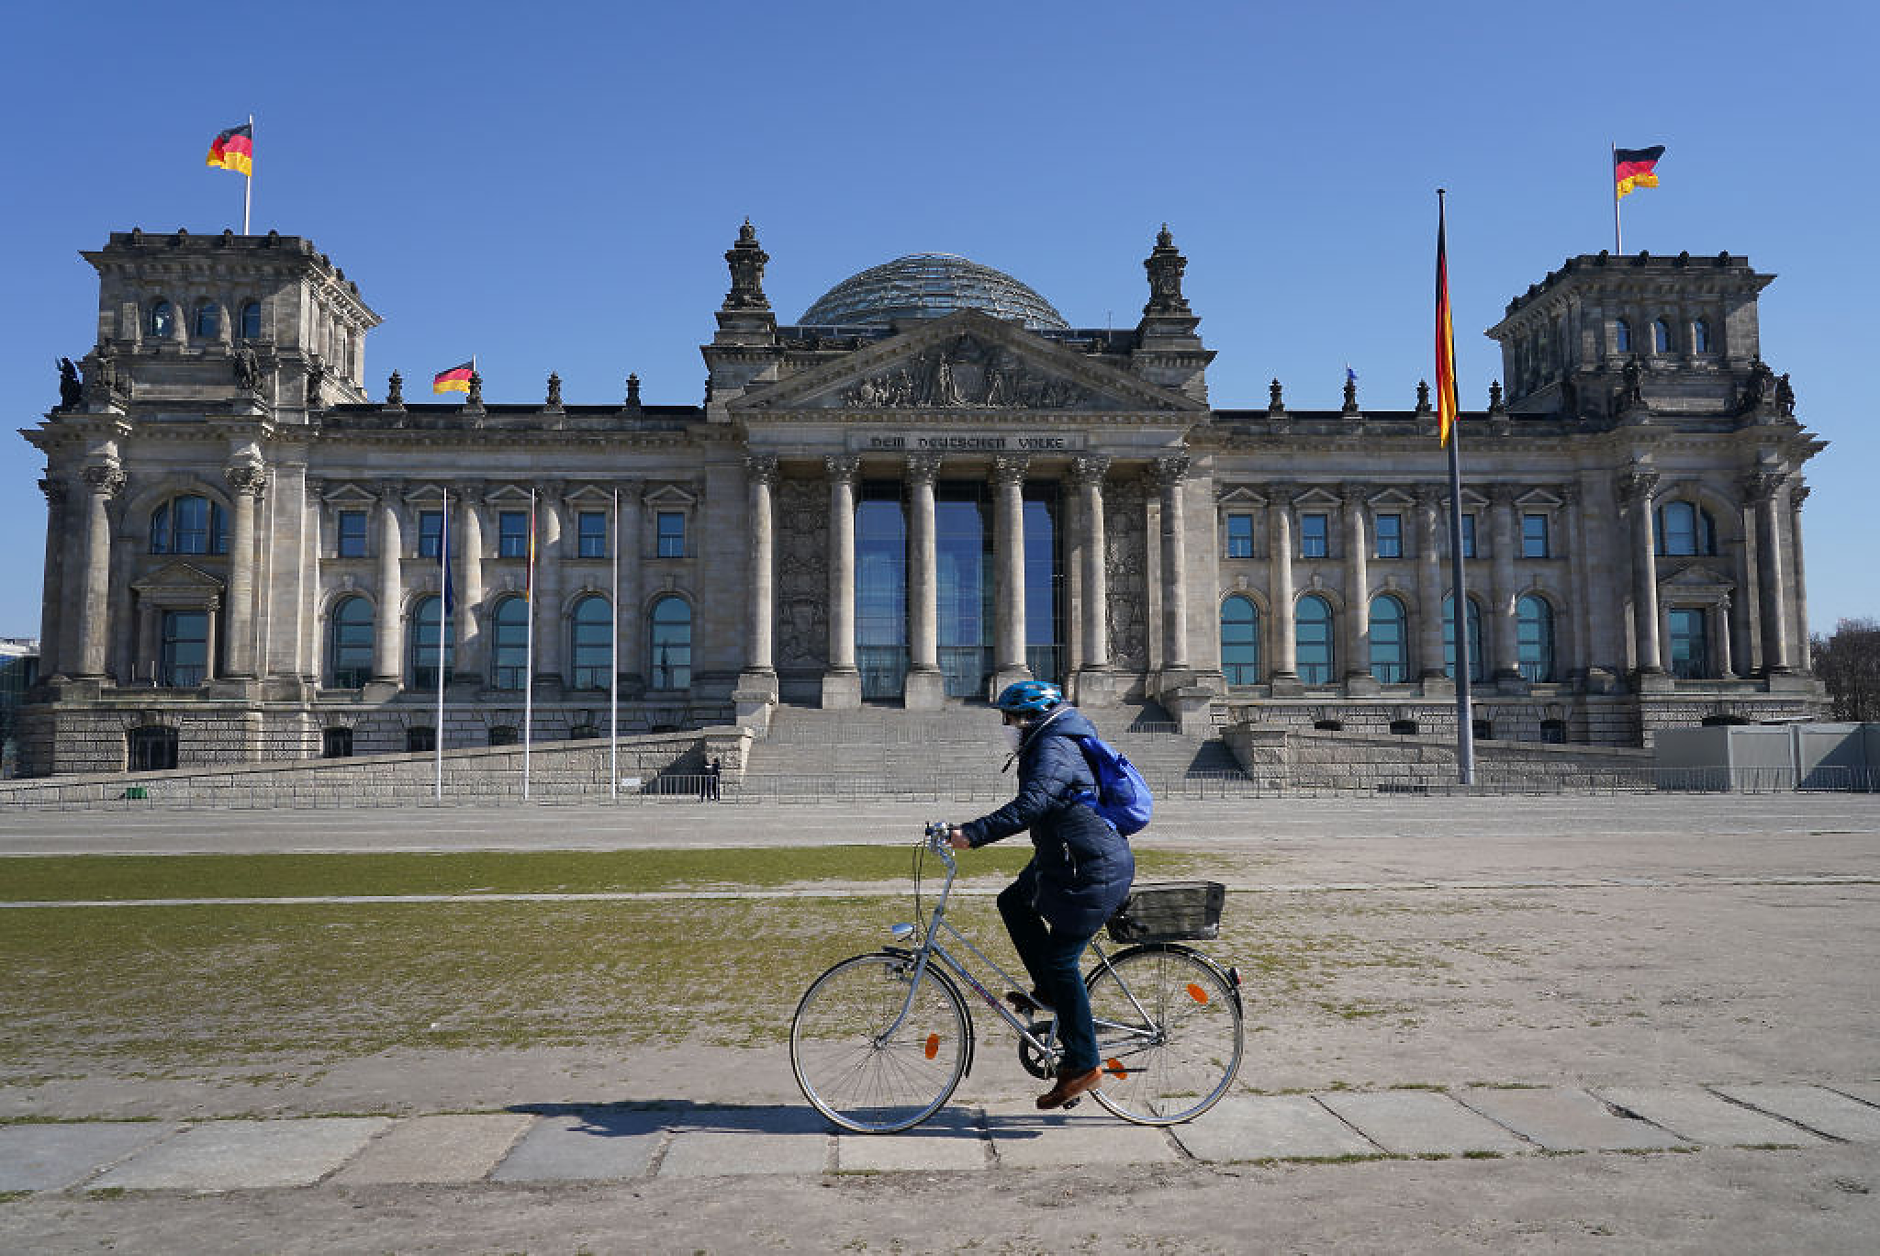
(1082, 865)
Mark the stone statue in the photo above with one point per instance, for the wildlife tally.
(395, 390)
(1632, 391)
(746, 259)
(475, 396)
(1785, 396)
(554, 391)
(316, 379)
(1351, 392)
(1494, 397)
(633, 392)
(1275, 401)
(247, 369)
(71, 392)
(1761, 381)
(1423, 394)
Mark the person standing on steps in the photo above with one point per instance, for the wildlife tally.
(1079, 874)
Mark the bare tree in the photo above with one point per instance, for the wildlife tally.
(1849, 665)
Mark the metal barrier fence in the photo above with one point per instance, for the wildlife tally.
(505, 789)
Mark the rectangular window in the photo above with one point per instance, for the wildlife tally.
(185, 657)
(1240, 536)
(1390, 536)
(670, 529)
(1313, 536)
(430, 533)
(1534, 536)
(512, 534)
(352, 534)
(1468, 536)
(591, 534)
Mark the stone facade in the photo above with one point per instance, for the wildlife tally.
(243, 550)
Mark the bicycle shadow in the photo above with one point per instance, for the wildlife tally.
(685, 1116)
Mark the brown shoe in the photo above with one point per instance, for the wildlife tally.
(1027, 1004)
(1069, 1086)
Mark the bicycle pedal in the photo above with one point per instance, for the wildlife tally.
(1068, 1104)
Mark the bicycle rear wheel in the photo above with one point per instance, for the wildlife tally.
(861, 1069)
(1169, 1032)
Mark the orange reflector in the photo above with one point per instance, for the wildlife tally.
(933, 1045)
(1114, 1067)
(1196, 993)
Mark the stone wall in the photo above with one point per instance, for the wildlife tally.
(562, 770)
(1289, 758)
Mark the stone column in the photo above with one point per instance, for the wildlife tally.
(102, 482)
(1087, 473)
(1579, 654)
(1762, 489)
(1804, 660)
(1169, 475)
(1430, 584)
(314, 643)
(547, 608)
(1358, 599)
(1635, 489)
(1008, 546)
(248, 480)
(631, 626)
(842, 683)
(1501, 608)
(1280, 553)
(388, 632)
(760, 671)
(53, 584)
(1726, 669)
(925, 688)
(149, 647)
(469, 554)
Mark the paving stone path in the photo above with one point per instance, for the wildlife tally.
(589, 1144)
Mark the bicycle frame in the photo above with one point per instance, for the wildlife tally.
(932, 948)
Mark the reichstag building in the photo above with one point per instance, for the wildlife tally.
(927, 485)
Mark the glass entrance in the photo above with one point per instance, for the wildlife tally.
(881, 590)
(963, 551)
(1044, 585)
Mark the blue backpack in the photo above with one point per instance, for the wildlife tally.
(1122, 795)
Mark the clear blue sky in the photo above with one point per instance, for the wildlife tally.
(553, 187)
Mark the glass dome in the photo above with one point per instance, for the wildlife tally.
(929, 285)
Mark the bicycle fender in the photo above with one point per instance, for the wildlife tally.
(945, 978)
(1179, 949)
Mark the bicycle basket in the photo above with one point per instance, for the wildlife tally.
(1169, 912)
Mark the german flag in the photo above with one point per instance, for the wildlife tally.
(234, 149)
(1632, 168)
(456, 379)
(1446, 406)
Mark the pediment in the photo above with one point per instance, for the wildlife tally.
(966, 362)
(1392, 498)
(1540, 499)
(177, 577)
(349, 495)
(507, 495)
(1317, 499)
(1239, 495)
(670, 495)
(1697, 576)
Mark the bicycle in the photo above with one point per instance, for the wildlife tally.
(880, 1041)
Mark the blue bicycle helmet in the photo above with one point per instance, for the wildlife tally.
(1029, 697)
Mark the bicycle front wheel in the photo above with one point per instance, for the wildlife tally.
(1169, 1032)
(869, 1057)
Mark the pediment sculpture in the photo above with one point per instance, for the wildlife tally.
(967, 374)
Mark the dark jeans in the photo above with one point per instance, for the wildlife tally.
(1052, 962)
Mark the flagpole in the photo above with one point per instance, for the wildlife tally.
(443, 617)
(248, 183)
(1447, 407)
(1617, 248)
(613, 696)
(528, 681)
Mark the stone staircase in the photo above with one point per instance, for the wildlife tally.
(955, 753)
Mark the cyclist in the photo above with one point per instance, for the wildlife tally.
(1079, 874)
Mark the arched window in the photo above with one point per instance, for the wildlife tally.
(349, 650)
(1476, 668)
(1700, 336)
(1621, 336)
(1661, 336)
(1314, 639)
(251, 321)
(509, 647)
(593, 652)
(424, 626)
(188, 525)
(1390, 647)
(671, 644)
(1534, 638)
(1684, 529)
(1240, 641)
(163, 320)
(208, 321)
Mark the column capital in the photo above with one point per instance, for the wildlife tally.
(551, 491)
(1168, 472)
(923, 468)
(1798, 493)
(104, 478)
(1089, 469)
(1636, 486)
(1008, 469)
(248, 479)
(1503, 494)
(842, 467)
(54, 489)
(390, 491)
(1352, 495)
(1761, 486)
(470, 492)
(761, 468)
(1431, 495)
